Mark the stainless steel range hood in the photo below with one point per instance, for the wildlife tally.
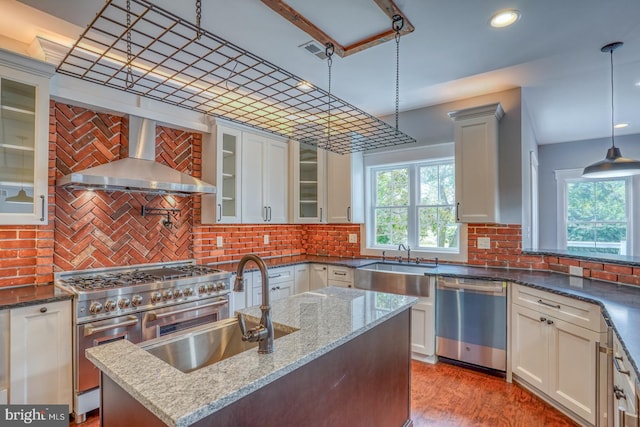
(139, 172)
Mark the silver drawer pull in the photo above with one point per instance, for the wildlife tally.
(90, 329)
(275, 276)
(339, 273)
(155, 316)
(616, 363)
(549, 304)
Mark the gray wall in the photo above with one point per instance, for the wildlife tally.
(571, 155)
(432, 125)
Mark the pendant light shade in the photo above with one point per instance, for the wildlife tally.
(21, 197)
(613, 165)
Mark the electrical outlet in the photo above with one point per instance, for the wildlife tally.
(484, 243)
(219, 241)
(353, 238)
(266, 239)
(575, 271)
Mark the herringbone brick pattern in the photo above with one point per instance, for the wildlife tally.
(103, 229)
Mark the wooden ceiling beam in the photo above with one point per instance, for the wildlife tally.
(387, 6)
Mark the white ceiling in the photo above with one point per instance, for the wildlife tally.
(553, 52)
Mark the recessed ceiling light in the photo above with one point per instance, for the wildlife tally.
(504, 18)
(303, 85)
(621, 125)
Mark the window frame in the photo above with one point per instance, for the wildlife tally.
(566, 176)
(413, 158)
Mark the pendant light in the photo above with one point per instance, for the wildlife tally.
(614, 165)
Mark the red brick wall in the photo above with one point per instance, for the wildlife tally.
(506, 247)
(103, 229)
(332, 240)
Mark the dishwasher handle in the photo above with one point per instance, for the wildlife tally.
(484, 286)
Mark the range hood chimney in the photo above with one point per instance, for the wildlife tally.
(139, 172)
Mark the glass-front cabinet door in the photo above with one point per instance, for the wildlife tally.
(308, 185)
(24, 142)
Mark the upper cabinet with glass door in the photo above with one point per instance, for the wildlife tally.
(24, 142)
(309, 199)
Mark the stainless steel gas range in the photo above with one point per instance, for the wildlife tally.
(138, 303)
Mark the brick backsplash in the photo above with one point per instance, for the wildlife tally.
(99, 229)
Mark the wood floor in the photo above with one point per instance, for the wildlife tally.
(449, 396)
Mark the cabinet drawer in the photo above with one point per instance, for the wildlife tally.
(276, 275)
(340, 274)
(574, 311)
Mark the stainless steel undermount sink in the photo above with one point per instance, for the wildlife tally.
(204, 345)
(394, 278)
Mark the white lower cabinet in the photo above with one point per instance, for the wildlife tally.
(281, 284)
(423, 329)
(340, 276)
(301, 278)
(317, 276)
(554, 356)
(40, 367)
(625, 401)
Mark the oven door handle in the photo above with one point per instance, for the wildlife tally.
(90, 329)
(151, 316)
(497, 287)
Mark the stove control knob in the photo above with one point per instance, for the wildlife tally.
(110, 305)
(188, 292)
(95, 307)
(202, 289)
(156, 297)
(124, 302)
(211, 287)
(220, 286)
(168, 294)
(177, 293)
(136, 300)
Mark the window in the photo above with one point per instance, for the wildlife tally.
(595, 215)
(414, 204)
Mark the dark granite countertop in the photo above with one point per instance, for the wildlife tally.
(583, 256)
(30, 295)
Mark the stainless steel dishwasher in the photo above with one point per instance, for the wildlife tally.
(471, 321)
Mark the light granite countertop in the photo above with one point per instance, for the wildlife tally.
(324, 319)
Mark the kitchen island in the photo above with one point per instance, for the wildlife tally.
(347, 362)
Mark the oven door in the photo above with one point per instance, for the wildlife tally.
(163, 321)
(98, 333)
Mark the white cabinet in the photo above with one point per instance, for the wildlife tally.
(225, 153)
(476, 163)
(238, 300)
(264, 180)
(345, 188)
(24, 141)
(340, 276)
(41, 362)
(4, 357)
(556, 355)
(317, 276)
(250, 174)
(625, 401)
(301, 278)
(281, 284)
(308, 182)
(423, 327)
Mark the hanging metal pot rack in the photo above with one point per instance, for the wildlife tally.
(163, 57)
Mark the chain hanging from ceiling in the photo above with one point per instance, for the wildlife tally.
(129, 78)
(160, 56)
(397, 24)
(328, 51)
(199, 18)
